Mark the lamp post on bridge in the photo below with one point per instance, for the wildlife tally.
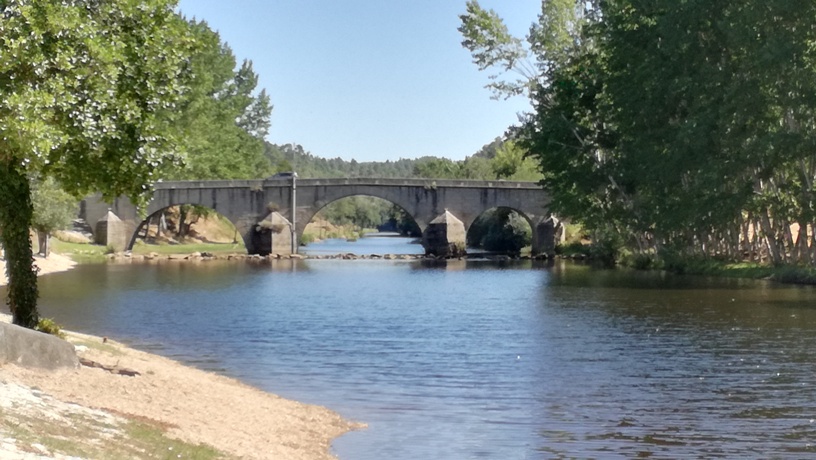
(294, 213)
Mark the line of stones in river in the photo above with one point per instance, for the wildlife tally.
(347, 256)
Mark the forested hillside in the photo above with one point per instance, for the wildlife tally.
(496, 160)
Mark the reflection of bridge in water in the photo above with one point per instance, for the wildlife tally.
(261, 210)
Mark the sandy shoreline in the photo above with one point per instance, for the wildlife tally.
(191, 405)
(53, 264)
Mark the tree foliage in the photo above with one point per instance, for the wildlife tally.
(492, 46)
(88, 94)
(512, 162)
(54, 209)
(682, 127)
(223, 121)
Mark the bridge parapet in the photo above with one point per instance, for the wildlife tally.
(286, 181)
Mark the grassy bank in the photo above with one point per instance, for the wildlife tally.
(94, 253)
(710, 267)
(82, 436)
(704, 266)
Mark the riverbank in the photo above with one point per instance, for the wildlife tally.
(52, 264)
(92, 413)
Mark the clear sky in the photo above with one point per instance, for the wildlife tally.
(370, 80)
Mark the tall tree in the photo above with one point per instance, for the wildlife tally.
(681, 125)
(224, 123)
(87, 96)
(521, 65)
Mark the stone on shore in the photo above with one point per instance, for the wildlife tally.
(28, 348)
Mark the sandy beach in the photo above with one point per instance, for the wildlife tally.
(188, 404)
(53, 264)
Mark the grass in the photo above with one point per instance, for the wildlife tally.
(79, 435)
(707, 266)
(188, 248)
(783, 273)
(150, 441)
(94, 253)
(104, 347)
(80, 252)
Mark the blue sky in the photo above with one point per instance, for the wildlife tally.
(371, 80)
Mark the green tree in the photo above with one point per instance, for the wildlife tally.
(223, 122)
(492, 46)
(520, 66)
(87, 96)
(437, 168)
(512, 162)
(500, 230)
(54, 209)
(684, 126)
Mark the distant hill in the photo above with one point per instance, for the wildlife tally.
(292, 157)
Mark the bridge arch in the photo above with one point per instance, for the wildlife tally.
(142, 228)
(410, 201)
(315, 210)
(484, 231)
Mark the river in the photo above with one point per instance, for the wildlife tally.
(482, 359)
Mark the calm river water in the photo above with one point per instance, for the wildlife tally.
(479, 359)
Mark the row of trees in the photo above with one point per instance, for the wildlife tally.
(669, 127)
(499, 159)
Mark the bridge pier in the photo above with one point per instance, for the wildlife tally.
(111, 231)
(547, 233)
(445, 236)
(272, 235)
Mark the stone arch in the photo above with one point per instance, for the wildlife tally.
(155, 208)
(305, 216)
(527, 219)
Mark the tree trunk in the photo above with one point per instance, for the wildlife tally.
(44, 243)
(770, 237)
(791, 250)
(804, 250)
(16, 214)
(182, 230)
(162, 225)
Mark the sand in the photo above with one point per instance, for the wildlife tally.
(53, 264)
(195, 406)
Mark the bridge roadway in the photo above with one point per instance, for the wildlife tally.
(255, 206)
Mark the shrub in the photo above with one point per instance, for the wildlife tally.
(49, 326)
(638, 261)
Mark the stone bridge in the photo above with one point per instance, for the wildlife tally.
(272, 213)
